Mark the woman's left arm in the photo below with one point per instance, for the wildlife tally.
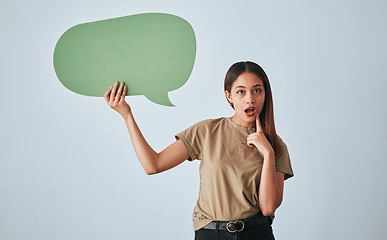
(272, 182)
(271, 187)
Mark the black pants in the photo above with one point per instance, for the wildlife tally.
(258, 232)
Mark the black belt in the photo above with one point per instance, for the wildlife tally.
(238, 225)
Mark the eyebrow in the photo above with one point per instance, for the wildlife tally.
(256, 85)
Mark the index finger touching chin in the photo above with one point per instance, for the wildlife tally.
(258, 123)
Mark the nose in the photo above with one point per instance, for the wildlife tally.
(249, 99)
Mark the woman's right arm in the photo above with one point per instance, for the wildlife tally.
(151, 161)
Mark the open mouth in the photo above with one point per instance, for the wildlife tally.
(250, 111)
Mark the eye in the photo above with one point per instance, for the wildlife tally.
(240, 92)
(257, 90)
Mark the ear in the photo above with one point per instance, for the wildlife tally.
(228, 96)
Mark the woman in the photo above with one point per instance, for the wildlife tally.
(243, 161)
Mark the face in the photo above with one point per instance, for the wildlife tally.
(248, 97)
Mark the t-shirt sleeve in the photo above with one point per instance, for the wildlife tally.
(282, 161)
(192, 138)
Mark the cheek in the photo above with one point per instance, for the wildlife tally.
(235, 100)
(238, 107)
(261, 104)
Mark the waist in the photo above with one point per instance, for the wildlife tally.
(239, 225)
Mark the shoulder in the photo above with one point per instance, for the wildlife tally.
(284, 148)
(280, 141)
(205, 127)
(196, 136)
(283, 163)
(210, 123)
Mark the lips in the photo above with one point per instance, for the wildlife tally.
(250, 111)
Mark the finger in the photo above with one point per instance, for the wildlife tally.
(258, 124)
(123, 94)
(113, 93)
(250, 140)
(107, 94)
(118, 96)
(249, 143)
(252, 134)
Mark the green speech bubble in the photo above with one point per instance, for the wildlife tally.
(153, 53)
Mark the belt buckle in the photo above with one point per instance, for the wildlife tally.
(235, 222)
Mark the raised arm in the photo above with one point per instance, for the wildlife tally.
(151, 161)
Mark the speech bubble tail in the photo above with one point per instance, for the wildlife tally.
(161, 99)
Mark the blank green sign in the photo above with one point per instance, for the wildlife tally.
(152, 53)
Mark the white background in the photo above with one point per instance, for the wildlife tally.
(67, 167)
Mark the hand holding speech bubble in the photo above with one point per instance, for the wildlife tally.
(153, 53)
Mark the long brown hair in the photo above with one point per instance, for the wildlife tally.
(267, 113)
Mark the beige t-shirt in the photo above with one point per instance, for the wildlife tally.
(230, 171)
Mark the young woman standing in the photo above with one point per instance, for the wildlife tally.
(243, 161)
